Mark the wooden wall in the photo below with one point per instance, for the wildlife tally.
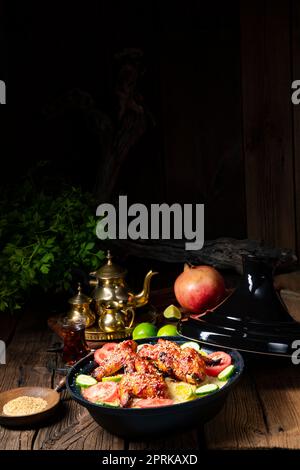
(270, 60)
(230, 134)
(218, 83)
(201, 108)
(295, 47)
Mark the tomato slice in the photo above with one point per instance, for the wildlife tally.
(151, 402)
(224, 361)
(106, 392)
(104, 352)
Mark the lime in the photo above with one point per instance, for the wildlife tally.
(180, 391)
(113, 378)
(202, 353)
(172, 312)
(144, 330)
(192, 345)
(167, 330)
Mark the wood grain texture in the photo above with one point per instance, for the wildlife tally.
(28, 363)
(262, 412)
(292, 302)
(200, 90)
(279, 395)
(296, 110)
(75, 430)
(8, 324)
(240, 425)
(222, 253)
(187, 440)
(267, 121)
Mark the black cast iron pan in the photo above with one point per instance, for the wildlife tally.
(139, 423)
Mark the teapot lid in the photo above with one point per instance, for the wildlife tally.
(110, 270)
(80, 298)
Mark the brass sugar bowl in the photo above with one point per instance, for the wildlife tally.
(80, 308)
(114, 303)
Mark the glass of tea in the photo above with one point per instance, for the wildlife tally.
(73, 334)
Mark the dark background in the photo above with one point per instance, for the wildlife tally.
(217, 86)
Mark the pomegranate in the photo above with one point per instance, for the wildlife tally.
(199, 288)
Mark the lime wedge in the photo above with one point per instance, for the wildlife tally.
(203, 353)
(172, 312)
(192, 345)
(112, 378)
(206, 389)
(226, 373)
(180, 391)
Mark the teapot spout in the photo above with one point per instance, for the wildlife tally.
(138, 300)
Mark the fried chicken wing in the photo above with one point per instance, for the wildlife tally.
(123, 357)
(143, 371)
(136, 385)
(151, 351)
(187, 366)
(144, 366)
(182, 364)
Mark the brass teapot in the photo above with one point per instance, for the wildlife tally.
(113, 319)
(114, 303)
(80, 308)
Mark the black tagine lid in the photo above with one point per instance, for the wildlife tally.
(252, 319)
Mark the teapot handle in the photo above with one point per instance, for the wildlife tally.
(131, 311)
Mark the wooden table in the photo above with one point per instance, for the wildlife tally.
(263, 411)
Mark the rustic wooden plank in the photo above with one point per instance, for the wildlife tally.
(288, 285)
(262, 412)
(222, 253)
(278, 387)
(296, 111)
(8, 324)
(267, 121)
(76, 430)
(199, 104)
(187, 440)
(28, 363)
(240, 425)
(292, 302)
(289, 281)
